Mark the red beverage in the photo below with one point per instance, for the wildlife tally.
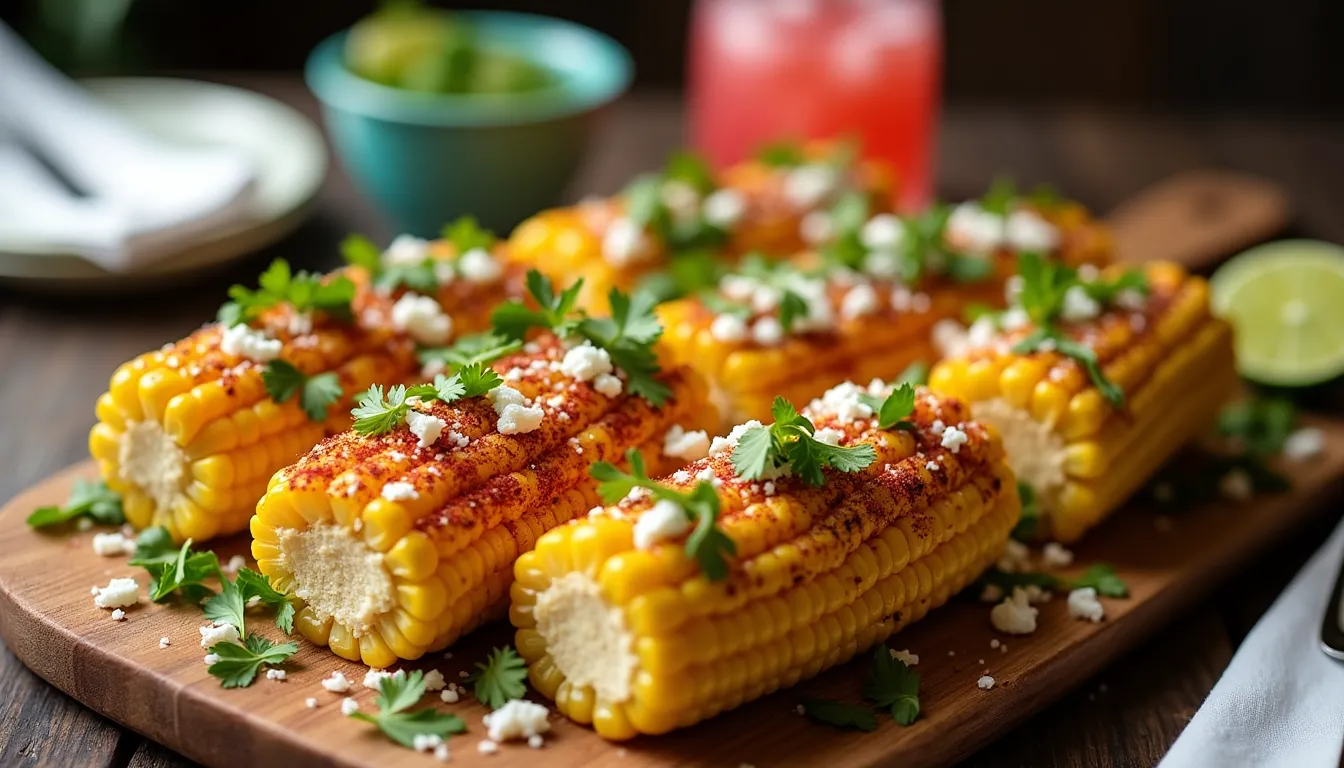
(766, 70)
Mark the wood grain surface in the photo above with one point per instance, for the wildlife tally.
(48, 619)
(56, 355)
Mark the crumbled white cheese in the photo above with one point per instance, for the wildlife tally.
(985, 682)
(954, 438)
(311, 702)
(816, 227)
(112, 544)
(423, 319)
(724, 444)
(517, 419)
(1025, 230)
(250, 344)
(478, 266)
(883, 265)
(164, 642)
(994, 643)
(336, 683)
(441, 753)
(845, 402)
(349, 706)
(502, 397)
(1078, 305)
(728, 328)
(487, 747)
(1236, 485)
(425, 426)
(406, 251)
(400, 491)
(625, 243)
(219, 632)
(828, 435)
(434, 680)
(276, 674)
(859, 301)
(1054, 555)
(883, 232)
(686, 445)
(211, 659)
(974, 229)
(235, 564)
(119, 593)
(425, 742)
(767, 331)
(1305, 443)
(607, 385)
(450, 695)
(517, 719)
(118, 615)
(682, 199)
(1016, 557)
(738, 287)
(815, 294)
(663, 521)
(374, 677)
(1015, 615)
(586, 362)
(905, 657)
(807, 186)
(1083, 604)
(536, 741)
(723, 208)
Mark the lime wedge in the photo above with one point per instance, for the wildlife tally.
(1286, 302)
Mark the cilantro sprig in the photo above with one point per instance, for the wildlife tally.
(840, 714)
(555, 312)
(475, 349)
(1260, 426)
(88, 498)
(316, 393)
(707, 544)
(1100, 576)
(500, 678)
(238, 665)
(781, 154)
(230, 605)
(466, 234)
(184, 571)
(892, 686)
(377, 412)
(893, 410)
(423, 276)
(397, 693)
(789, 441)
(304, 291)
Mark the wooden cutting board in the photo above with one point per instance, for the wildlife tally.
(48, 619)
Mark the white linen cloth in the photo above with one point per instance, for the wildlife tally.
(1281, 700)
(144, 200)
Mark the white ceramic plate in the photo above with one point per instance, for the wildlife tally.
(288, 150)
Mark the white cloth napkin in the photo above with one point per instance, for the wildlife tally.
(1281, 700)
(146, 200)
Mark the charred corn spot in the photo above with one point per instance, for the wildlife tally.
(633, 642)
(1083, 457)
(385, 579)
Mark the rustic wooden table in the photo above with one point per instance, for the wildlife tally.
(56, 355)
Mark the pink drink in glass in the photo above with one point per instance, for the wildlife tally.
(770, 70)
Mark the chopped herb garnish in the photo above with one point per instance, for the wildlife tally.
(154, 545)
(1025, 530)
(1107, 291)
(230, 605)
(781, 154)
(893, 410)
(376, 413)
(789, 441)
(466, 234)
(1259, 426)
(845, 248)
(916, 374)
(792, 308)
(688, 273)
(359, 251)
(399, 692)
(1043, 339)
(88, 498)
(303, 291)
(238, 664)
(555, 312)
(500, 678)
(186, 572)
(1000, 197)
(707, 544)
(893, 686)
(1100, 576)
(316, 393)
(691, 169)
(840, 714)
(476, 349)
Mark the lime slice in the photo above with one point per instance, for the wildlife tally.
(1286, 302)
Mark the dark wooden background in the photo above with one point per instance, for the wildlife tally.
(56, 355)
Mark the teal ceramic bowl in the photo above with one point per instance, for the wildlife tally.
(427, 158)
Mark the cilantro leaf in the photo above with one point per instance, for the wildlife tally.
(968, 269)
(467, 234)
(475, 380)
(359, 251)
(376, 413)
(755, 453)
(790, 441)
(893, 686)
(840, 714)
(781, 154)
(278, 284)
(88, 498)
(238, 664)
(316, 393)
(690, 168)
(252, 584)
(1000, 196)
(186, 572)
(1025, 530)
(915, 374)
(1260, 426)
(1102, 577)
(228, 607)
(398, 692)
(628, 337)
(421, 278)
(688, 273)
(855, 458)
(500, 678)
(1047, 338)
(892, 412)
(792, 307)
(154, 545)
(483, 348)
(514, 319)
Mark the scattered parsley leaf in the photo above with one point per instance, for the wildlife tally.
(707, 544)
(628, 337)
(1259, 426)
(1047, 338)
(1102, 577)
(88, 498)
(228, 607)
(1107, 291)
(792, 307)
(499, 678)
(376, 413)
(154, 545)
(186, 572)
(238, 664)
(475, 379)
(892, 412)
(781, 154)
(967, 269)
(483, 348)
(359, 251)
(398, 692)
(790, 441)
(688, 273)
(690, 168)
(893, 686)
(840, 714)
(514, 319)
(316, 393)
(467, 234)
(421, 278)
(1000, 197)
(303, 291)
(1025, 530)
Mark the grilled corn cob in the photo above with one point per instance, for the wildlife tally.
(635, 639)
(754, 206)
(1083, 455)
(397, 550)
(189, 435)
(862, 320)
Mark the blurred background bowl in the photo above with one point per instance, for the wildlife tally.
(426, 158)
